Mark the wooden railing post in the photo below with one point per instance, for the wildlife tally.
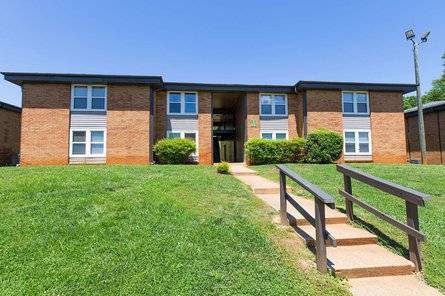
(412, 219)
(349, 204)
(283, 202)
(320, 239)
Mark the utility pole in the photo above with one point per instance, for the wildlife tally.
(422, 144)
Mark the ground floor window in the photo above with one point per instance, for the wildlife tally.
(280, 135)
(357, 142)
(184, 135)
(85, 143)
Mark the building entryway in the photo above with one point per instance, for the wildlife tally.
(228, 127)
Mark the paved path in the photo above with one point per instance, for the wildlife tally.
(370, 268)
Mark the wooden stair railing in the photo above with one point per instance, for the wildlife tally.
(319, 221)
(412, 198)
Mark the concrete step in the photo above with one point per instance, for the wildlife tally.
(241, 170)
(260, 185)
(345, 234)
(406, 285)
(295, 218)
(367, 261)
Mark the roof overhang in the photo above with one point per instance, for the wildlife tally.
(404, 88)
(439, 106)
(184, 86)
(10, 107)
(19, 78)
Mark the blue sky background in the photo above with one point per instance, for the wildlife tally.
(251, 42)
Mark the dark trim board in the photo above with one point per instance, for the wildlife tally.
(404, 88)
(184, 86)
(10, 107)
(19, 78)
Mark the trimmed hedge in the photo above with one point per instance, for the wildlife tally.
(174, 151)
(263, 151)
(323, 146)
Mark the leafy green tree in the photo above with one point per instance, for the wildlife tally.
(436, 93)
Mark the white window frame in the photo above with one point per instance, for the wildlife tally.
(273, 104)
(88, 142)
(182, 136)
(182, 102)
(274, 134)
(354, 102)
(357, 142)
(89, 97)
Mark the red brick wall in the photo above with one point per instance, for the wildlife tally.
(434, 136)
(128, 122)
(324, 110)
(205, 127)
(300, 116)
(387, 127)
(253, 112)
(292, 106)
(160, 116)
(45, 124)
(9, 135)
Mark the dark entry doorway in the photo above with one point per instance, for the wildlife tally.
(228, 127)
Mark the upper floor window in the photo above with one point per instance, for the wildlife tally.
(182, 103)
(88, 98)
(355, 102)
(273, 104)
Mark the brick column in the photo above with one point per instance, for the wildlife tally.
(292, 115)
(205, 128)
(45, 124)
(253, 113)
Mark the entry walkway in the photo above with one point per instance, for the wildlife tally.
(370, 268)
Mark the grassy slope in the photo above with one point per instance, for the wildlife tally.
(160, 230)
(427, 179)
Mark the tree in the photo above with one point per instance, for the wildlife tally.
(436, 93)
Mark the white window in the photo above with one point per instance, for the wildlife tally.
(355, 102)
(273, 104)
(184, 135)
(182, 103)
(89, 98)
(87, 143)
(357, 142)
(279, 135)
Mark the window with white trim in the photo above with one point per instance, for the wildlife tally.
(184, 135)
(274, 135)
(88, 98)
(87, 143)
(182, 103)
(355, 102)
(357, 142)
(273, 104)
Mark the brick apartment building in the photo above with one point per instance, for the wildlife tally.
(10, 119)
(72, 118)
(434, 121)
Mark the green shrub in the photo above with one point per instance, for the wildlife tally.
(262, 151)
(323, 146)
(174, 151)
(223, 168)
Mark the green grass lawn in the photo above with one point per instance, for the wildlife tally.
(158, 230)
(427, 179)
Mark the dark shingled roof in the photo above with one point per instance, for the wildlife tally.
(428, 107)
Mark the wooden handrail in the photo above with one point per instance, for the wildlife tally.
(319, 222)
(413, 199)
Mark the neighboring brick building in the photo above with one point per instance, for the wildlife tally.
(10, 119)
(71, 118)
(434, 120)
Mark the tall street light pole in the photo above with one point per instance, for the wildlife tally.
(410, 36)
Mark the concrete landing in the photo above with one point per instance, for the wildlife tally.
(407, 285)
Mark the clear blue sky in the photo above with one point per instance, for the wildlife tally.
(252, 42)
